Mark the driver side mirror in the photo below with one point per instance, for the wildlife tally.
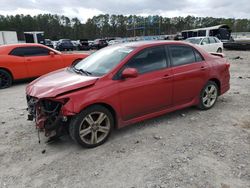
(129, 73)
(51, 53)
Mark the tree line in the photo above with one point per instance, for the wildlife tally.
(56, 27)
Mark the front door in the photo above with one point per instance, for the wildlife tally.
(151, 90)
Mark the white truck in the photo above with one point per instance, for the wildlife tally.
(8, 37)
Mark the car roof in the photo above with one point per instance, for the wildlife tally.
(139, 44)
(196, 37)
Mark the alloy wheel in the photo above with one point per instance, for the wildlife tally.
(209, 95)
(94, 128)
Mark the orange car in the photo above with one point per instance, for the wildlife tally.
(20, 61)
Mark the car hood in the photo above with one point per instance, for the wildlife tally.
(58, 82)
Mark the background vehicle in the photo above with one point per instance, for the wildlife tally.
(112, 42)
(222, 32)
(20, 61)
(48, 42)
(84, 44)
(210, 44)
(34, 37)
(99, 43)
(8, 37)
(65, 44)
(124, 84)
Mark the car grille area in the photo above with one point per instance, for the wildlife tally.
(45, 113)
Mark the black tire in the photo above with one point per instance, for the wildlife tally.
(77, 123)
(5, 79)
(219, 50)
(212, 97)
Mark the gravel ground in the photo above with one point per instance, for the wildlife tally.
(188, 148)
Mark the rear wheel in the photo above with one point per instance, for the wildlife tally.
(5, 79)
(219, 50)
(92, 126)
(208, 96)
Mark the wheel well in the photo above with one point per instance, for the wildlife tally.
(7, 70)
(76, 61)
(110, 108)
(217, 83)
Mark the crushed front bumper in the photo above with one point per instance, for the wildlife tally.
(46, 113)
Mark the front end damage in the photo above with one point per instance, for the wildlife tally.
(48, 115)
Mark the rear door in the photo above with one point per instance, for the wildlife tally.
(213, 44)
(39, 61)
(151, 90)
(205, 44)
(190, 73)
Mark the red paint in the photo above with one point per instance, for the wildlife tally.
(138, 97)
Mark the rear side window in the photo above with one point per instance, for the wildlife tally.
(212, 40)
(217, 40)
(17, 52)
(149, 60)
(182, 55)
(205, 41)
(198, 56)
(30, 51)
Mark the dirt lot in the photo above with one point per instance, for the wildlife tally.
(187, 148)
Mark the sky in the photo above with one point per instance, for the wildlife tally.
(84, 9)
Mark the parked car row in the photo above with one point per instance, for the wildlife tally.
(82, 44)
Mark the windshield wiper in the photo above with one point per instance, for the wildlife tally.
(81, 71)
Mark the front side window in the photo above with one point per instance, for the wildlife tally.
(36, 51)
(182, 55)
(148, 60)
(17, 52)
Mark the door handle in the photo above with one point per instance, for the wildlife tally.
(167, 76)
(28, 59)
(203, 68)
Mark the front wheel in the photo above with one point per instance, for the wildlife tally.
(208, 96)
(92, 126)
(5, 79)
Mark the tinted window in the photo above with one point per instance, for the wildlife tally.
(148, 60)
(30, 51)
(182, 55)
(17, 52)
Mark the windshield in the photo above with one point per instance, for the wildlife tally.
(194, 40)
(103, 61)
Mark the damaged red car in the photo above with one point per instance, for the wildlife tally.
(124, 84)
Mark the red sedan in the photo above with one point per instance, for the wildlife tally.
(20, 61)
(124, 84)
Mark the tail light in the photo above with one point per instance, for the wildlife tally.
(227, 65)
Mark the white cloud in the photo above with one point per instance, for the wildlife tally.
(88, 8)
